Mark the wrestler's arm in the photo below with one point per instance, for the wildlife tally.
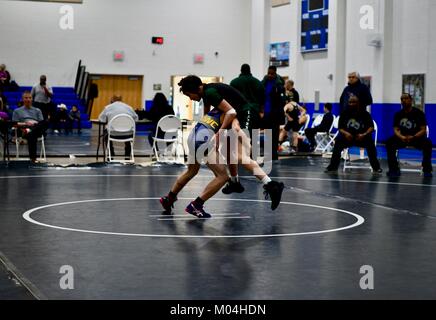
(229, 114)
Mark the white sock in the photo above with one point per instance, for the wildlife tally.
(235, 179)
(266, 180)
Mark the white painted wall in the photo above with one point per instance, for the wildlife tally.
(260, 36)
(309, 70)
(33, 43)
(367, 60)
(409, 46)
(415, 49)
(283, 28)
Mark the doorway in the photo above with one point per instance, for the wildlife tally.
(184, 108)
(128, 86)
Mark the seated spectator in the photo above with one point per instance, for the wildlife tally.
(115, 108)
(62, 119)
(410, 128)
(324, 126)
(159, 109)
(3, 114)
(30, 124)
(3, 99)
(4, 106)
(74, 116)
(5, 77)
(355, 127)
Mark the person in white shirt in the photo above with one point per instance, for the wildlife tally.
(115, 108)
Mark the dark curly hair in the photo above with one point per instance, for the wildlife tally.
(190, 84)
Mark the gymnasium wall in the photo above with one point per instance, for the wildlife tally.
(32, 43)
(408, 47)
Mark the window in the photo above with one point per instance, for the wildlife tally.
(278, 3)
(316, 5)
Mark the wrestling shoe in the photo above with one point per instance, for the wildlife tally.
(167, 203)
(197, 211)
(274, 190)
(233, 187)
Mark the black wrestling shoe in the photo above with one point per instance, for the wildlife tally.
(274, 190)
(232, 187)
(167, 204)
(197, 210)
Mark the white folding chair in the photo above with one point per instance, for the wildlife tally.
(171, 126)
(419, 168)
(323, 138)
(121, 128)
(42, 154)
(331, 137)
(347, 158)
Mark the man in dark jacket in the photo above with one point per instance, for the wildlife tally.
(250, 87)
(273, 112)
(355, 88)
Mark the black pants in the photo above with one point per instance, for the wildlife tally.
(71, 123)
(47, 109)
(62, 122)
(275, 127)
(4, 136)
(310, 135)
(127, 146)
(424, 144)
(341, 143)
(160, 135)
(32, 138)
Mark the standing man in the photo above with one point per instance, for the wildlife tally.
(42, 95)
(30, 122)
(251, 88)
(115, 108)
(254, 92)
(356, 127)
(291, 94)
(273, 112)
(410, 128)
(355, 88)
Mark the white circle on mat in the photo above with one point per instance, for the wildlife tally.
(359, 220)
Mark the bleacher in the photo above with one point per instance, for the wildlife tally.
(65, 95)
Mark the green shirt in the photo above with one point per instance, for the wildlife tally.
(251, 88)
(215, 93)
